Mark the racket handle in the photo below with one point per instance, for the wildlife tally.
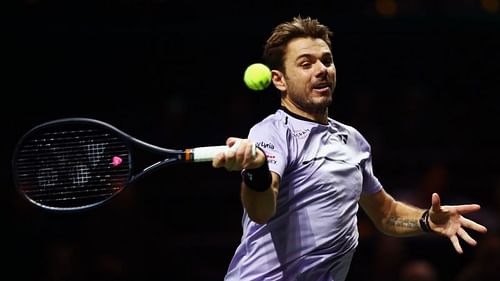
(207, 153)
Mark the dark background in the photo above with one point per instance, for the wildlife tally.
(421, 85)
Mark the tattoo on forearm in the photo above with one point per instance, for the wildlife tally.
(406, 223)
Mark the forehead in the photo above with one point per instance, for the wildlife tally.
(299, 47)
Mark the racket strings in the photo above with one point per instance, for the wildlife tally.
(70, 167)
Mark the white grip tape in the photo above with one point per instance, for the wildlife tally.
(207, 153)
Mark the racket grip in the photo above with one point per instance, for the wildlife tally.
(207, 153)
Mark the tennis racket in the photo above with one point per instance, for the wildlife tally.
(73, 164)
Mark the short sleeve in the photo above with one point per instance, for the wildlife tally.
(371, 184)
(272, 139)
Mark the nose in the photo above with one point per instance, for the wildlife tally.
(322, 69)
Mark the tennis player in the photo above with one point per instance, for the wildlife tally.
(302, 190)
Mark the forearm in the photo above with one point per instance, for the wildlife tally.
(402, 220)
(260, 205)
(399, 219)
(392, 217)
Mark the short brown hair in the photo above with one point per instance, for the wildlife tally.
(275, 47)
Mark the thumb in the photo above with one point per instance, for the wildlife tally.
(436, 202)
(231, 141)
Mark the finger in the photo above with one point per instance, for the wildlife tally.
(231, 141)
(229, 159)
(236, 145)
(466, 237)
(229, 154)
(456, 244)
(468, 208)
(239, 149)
(253, 151)
(245, 161)
(473, 225)
(248, 157)
(218, 161)
(436, 202)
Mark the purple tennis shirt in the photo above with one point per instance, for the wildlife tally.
(324, 168)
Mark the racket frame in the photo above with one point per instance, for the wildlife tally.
(199, 154)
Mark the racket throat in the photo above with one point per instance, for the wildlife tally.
(153, 168)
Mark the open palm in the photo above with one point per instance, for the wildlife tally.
(450, 222)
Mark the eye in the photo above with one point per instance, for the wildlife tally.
(327, 61)
(305, 64)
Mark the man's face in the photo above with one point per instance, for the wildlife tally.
(310, 75)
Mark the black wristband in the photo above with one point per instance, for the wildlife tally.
(424, 222)
(258, 179)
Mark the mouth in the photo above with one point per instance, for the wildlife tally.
(322, 86)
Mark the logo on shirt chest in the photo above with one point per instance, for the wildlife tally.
(300, 134)
(343, 138)
(339, 137)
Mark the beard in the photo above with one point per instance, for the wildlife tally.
(308, 99)
(312, 104)
(317, 105)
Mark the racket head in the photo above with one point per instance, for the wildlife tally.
(72, 164)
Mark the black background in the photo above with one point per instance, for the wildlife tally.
(422, 86)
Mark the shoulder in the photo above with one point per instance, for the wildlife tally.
(275, 122)
(343, 127)
(272, 131)
(353, 133)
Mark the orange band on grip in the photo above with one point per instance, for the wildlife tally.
(187, 154)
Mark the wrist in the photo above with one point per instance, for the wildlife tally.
(424, 222)
(258, 179)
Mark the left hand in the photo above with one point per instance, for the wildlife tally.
(448, 221)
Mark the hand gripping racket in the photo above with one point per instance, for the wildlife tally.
(73, 164)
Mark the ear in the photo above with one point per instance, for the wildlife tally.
(278, 79)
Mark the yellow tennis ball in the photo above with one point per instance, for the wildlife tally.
(257, 76)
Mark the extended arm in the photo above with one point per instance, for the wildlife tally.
(399, 219)
(392, 217)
